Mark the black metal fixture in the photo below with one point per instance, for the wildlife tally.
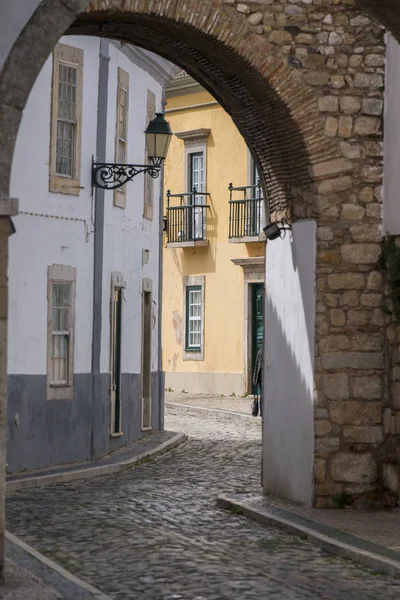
(110, 176)
(273, 231)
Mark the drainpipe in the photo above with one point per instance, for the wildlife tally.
(161, 379)
(99, 194)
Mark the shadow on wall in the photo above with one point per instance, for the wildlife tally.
(288, 437)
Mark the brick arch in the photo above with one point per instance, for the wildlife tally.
(267, 99)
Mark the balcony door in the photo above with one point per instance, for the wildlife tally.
(196, 224)
(257, 206)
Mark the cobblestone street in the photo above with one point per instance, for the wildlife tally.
(155, 533)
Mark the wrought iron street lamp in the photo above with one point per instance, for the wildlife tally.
(110, 176)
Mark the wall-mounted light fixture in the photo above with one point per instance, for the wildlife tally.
(110, 176)
(277, 230)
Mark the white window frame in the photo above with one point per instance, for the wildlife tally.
(189, 281)
(148, 207)
(61, 274)
(122, 86)
(65, 184)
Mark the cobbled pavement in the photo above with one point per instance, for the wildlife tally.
(155, 533)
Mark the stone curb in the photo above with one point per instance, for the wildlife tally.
(96, 593)
(328, 543)
(89, 472)
(220, 411)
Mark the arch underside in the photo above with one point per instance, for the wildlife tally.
(257, 110)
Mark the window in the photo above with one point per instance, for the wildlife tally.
(196, 178)
(148, 180)
(121, 135)
(193, 308)
(65, 146)
(194, 321)
(257, 205)
(61, 317)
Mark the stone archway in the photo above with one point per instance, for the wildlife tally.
(299, 81)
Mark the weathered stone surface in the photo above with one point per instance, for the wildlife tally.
(361, 254)
(328, 104)
(337, 317)
(367, 80)
(374, 281)
(392, 477)
(350, 299)
(367, 388)
(363, 435)
(346, 281)
(367, 342)
(355, 413)
(353, 468)
(280, 37)
(255, 18)
(345, 126)
(320, 470)
(367, 126)
(366, 233)
(322, 428)
(325, 233)
(350, 104)
(352, 212)
(352, 360)
(326, 446)
(358, 317)
(372, 106)
(371, 300)
(350, 150)
(336, 387)
(333, 343)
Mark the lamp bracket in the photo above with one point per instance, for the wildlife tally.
(110, 176)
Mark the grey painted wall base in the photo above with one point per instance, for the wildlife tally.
(44, 433)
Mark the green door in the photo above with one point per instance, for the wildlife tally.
(257, 324)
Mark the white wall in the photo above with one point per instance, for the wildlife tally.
(126, 231)
(391, 173)
(43, 240)
(288, 432)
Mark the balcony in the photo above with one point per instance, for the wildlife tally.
(186, 221)
(246, 213)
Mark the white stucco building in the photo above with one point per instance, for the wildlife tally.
(84, 338)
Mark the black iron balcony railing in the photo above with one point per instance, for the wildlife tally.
(246, 208)
(187, 221)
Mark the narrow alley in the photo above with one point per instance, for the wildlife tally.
(155, 532)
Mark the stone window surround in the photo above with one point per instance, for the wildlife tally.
(61, 274)
(190, 280)
(58, 183)
(253, 272)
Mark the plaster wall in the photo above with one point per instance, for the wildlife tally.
(227, 161)
(127, 232)
(288, 411)
(391, 172)
(59, 229)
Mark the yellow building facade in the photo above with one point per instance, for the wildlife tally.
(213, 257)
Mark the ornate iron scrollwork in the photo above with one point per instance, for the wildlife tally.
(110, 176)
